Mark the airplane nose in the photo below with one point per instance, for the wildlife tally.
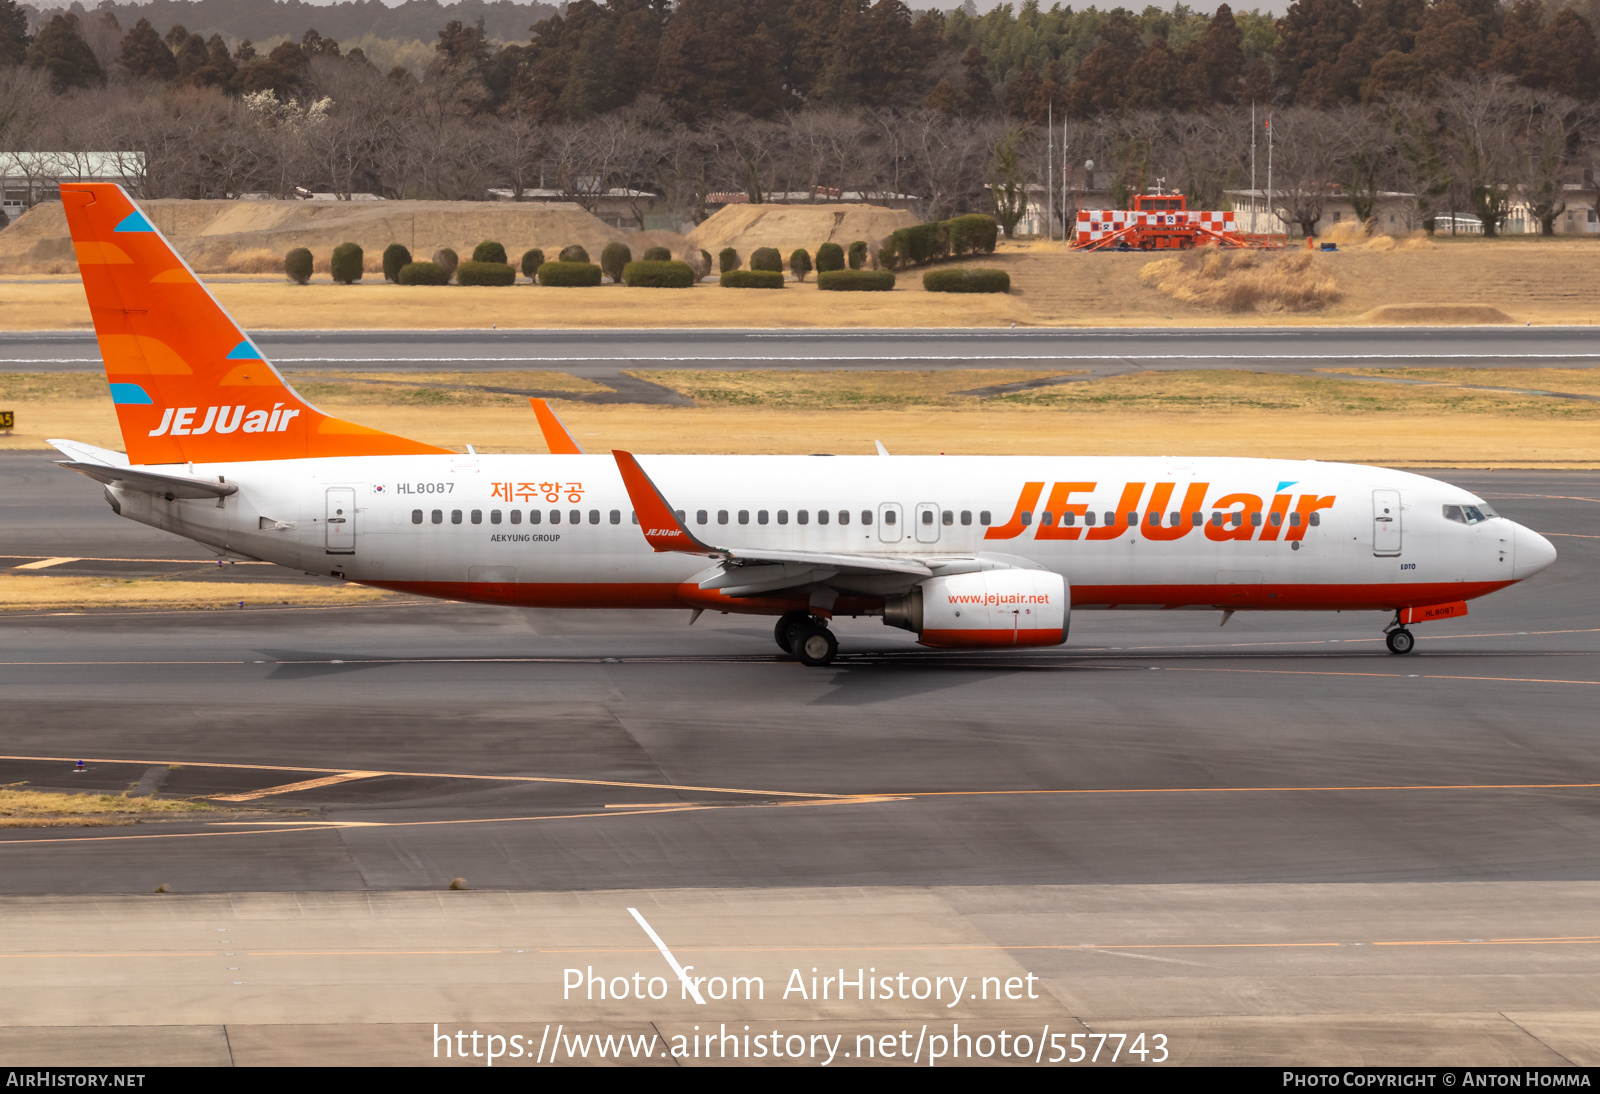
(1532, 553)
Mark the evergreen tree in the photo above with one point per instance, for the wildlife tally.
(61, 51)
(14, 40)
(145, 54)
(1310, 38)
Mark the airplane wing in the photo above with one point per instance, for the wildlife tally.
(759, 571)
(556, 436)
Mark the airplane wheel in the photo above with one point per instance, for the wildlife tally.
(1400, 641)
(784, 631)
(814, 644)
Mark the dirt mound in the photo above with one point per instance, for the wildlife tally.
(746, 227)
(1449, 315)
(1240, 281)
(245, 236)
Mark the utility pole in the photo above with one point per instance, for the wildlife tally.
(1255, 194)
(1269, 172)
(1066, 228)
(1050, 172)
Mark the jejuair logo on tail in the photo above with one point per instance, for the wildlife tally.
(179, 421)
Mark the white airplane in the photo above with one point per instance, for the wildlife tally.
(965, 552)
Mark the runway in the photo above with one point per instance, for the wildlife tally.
(1297, 843)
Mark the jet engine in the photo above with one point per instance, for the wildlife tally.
(985, 609)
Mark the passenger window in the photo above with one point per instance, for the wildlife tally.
(783, 516)
(1088, 519)
(1197, 519)
(966, 517)
(1316, 519)
(822, 516)
(1216, 520)
(1154, 518)
(575, 517)
(866, 516)
(722, 516)
(983, 517)
(455, 516)
(1238, 518)
(616, 516)
(1069, 518)
(1133, 519)
(1111, 518)
(761, 516)
(700, 516)
(1174, 519)
(633, 516)
(947, 518)
(1277, 520)
(802, 517)
(844, 516)
(1027, 519)
(516, 516)
(477, 516)
(555, 516)
(888, 516)
(683, 518)
(1047, 518)
(438, 516)
(1294, 520)
(1255, 520)
(594, 516)
(494, 516)
(416, 516)
(744, 516)
(927, 516)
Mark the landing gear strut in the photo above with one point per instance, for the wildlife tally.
(1399, 640)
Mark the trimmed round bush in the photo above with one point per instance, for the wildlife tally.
(447, 260)
(422, 273)
(960, 280)
(613, 258)
(975, 233)
(727, 260)
(569, 274)
(573, 253)
(531, 261)
(858, 254)
(297, 265)
(347, 260)
(830, 256)
(799, 263)
(658, 274)
(767, 258)
(856, 281)
(752, 279)
(889, 256)
(658, 254)
(395, 256)
(485, 273)
(488, 251)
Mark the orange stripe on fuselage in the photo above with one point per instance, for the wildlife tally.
(1283, 597)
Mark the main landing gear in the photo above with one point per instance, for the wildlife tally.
(1398, 639)
(807, 638)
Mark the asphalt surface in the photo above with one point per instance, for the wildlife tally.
(534, 750)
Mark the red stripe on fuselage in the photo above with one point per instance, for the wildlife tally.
(1375, 597)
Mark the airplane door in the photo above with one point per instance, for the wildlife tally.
(889, 523)
(927, 522)
(341, 520)
(1386, 530)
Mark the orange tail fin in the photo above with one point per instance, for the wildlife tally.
(188, 384)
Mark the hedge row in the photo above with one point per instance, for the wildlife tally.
(658, 274)
(752, 279)
(961, 280)
(422, 273)
(485, 273)
(924, 243)
(855, 280)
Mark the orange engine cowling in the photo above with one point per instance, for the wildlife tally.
(988, 609)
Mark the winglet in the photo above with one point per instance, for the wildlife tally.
(556, 437)
(662, 529)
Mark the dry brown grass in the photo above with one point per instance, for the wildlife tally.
(1245, 281)
(49, 809)
(253, 260)
(1153, 413)
(41, 592)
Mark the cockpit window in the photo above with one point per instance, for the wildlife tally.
(1469, 514)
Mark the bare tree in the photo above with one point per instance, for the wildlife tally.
(1307, 157)
(1551, 130)
(745, 153)
(1482, 116)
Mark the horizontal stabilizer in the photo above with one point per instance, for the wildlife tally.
(149, 482)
